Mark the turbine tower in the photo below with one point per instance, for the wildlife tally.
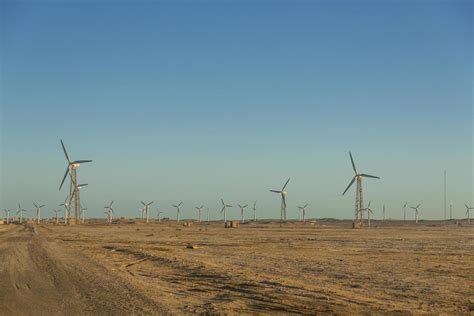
(405, 211)
(200, 211)
(71, 169)
(66, 209)
(158, 212)
(83, 211)
(254, 211)
(468, 210)
(416, 212)
(359, 205)
(369, 211)
(178, 210)
(38, 212)
(7, 213)
(146, 206)
(242, 208)
(57, 217)
(207, 214)
(302, 209)
(383, 212)
(224, 210)
(21, 211)
(109, 211)
(283, 200)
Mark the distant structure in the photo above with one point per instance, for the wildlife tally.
(66, 209)
(21, 211)
(302, 210)
(242, 208)
(224, 210)
(158, 212)
(207, 214)
(283, 200)
(57, 217)
(468, 211)
(445, 194)
(199, 208)
(369, 211)
(416, 212)
(405, 211)
(146, 206)
(359, 205)
(383, 212)
(254, 211)
(7, 215)
(110, 212)
(38, 212)
(178, 210)
(83, 211)
(451, 210)
(71, 169)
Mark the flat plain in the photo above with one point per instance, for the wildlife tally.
(262, 267)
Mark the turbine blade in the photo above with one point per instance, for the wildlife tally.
(65, 152)
(180, 203)
(150, 203)
(369, 204)
(35, 205)
(286, 184)
(466, 206)
(239, 205)
(353, 164)
(42, 206)
(222, 202)
(223, 208)
(246, 205)
(369, 176)
(305, 205)
(352, 181)
(82, 161)
(64, 178)
(275, 191)
(143, 202)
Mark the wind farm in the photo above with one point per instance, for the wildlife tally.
(236, 158)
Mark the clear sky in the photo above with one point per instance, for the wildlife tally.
(198, 100)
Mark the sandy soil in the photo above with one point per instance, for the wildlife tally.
(259, 268)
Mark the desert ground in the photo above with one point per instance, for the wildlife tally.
(260, 268)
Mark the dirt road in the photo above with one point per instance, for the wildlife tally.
(259, 268)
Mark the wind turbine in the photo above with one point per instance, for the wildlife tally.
(254, 211)
(207, 212)
(359, 205)
(146, 206)
(109, 211)
(405, 211)
(450, 209)
(38, 212)
(71, 169)
(57, 217)
(7, 213)
(83, 210)
(369, 211)
(21, 211)
(158, 212)
(383, 212)
(283, 200)
(468, 210)
(242, 208)
(66, 210)
(200, 210)
(224, 210)
(178, 209)
(416, 212)
(302, 209)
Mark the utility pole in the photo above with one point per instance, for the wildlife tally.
(445, 194)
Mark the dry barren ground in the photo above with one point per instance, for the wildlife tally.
(259, 268)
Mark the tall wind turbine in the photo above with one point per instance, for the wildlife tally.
(254, 211)
(224, 210)
(66, 209)
(369, 211)
(7, 213)
(283, 200)
(38, 212)
(383, 212)
(405, 211)
(74, 198)
(468, 211)
(21, 211)
(242, 208)
(199, 211)
(302, 209)
(83, 211)
(416, 212)
(359, 205)
(158, 212)
(57, 217)
(178, 210)
(146, 206)
(109, 211)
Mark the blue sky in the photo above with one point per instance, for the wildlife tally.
(198, 100)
